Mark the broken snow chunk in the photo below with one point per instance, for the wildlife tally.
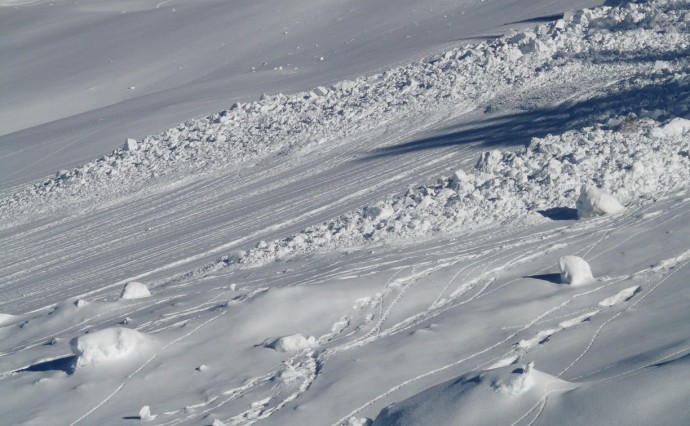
(135, 290)
(110, 344)
(292, 343)
(80, 303)
(674, 128)
(321, 91)
(575, 270)
(131, 145)
(357, 421)
(145, 414)
(595, 202)
(378, 213)
(460, 180)
(488, 161)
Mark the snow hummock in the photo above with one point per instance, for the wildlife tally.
(575, 270)
(488, 397)
(292, 343)
(107, 345)
(135, 290)
(595, 202)
(519, 381)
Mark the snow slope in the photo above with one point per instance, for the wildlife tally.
(383, 249)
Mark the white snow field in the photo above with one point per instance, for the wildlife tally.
(450, 231)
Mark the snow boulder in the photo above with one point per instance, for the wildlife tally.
(595, 202)
(575, 271)
(674, 128)
(135, 290)
(107, 345)
(292, 343)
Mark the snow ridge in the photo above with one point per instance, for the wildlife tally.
(280, 124)
(634, 165)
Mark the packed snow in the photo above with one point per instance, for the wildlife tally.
(135, 290)
(479, 231)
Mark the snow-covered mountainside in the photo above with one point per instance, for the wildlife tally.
(494, 232)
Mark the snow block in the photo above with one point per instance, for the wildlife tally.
(135, 290)
(674, 128)
(575, 270)
(292, 343)
(131, 145)
(595, 202)
(107, 345)
(378, 213)
(321, 91)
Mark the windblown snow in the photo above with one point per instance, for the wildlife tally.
(496, 232)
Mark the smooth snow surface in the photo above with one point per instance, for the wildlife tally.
(380, 238)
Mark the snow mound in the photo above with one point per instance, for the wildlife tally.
(595, 202)
(292, 343)
(575, 271)
(110, 344)
(135, 290)
(489, 397)
(6, 318)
